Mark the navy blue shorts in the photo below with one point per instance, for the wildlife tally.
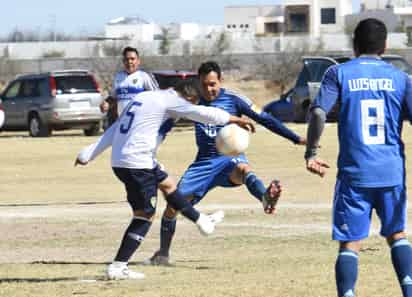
(352, 210)
(141, 186)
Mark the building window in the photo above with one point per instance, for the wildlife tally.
(327, 16)
(241, 26)
(234, 26)
(247, 26)
(228, 26)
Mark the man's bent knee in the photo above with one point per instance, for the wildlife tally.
(395, 236)
(238, 174)
(350, 245)
(167, 186)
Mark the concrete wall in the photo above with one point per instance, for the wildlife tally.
(235, 45)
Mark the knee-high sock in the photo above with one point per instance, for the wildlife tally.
(346, 272)
(167, 230)
(132, 238)
(254, 185)
(401, 252)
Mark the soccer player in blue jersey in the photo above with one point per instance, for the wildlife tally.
(373, 96)
(211, 169)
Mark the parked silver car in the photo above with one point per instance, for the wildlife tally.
(50, 101)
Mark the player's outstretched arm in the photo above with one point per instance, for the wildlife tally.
(269, 122)
(92, 151)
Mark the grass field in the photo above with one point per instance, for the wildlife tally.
(61, 225)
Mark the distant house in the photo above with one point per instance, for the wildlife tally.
(312, 17)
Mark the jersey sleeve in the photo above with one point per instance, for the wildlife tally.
(90, 152)
(265, 119)
(329, 90)
(180, 108)
(408, 99)
(150, 83)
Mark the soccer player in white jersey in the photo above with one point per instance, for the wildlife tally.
(134, 141)
(373, 98)
(130, 81)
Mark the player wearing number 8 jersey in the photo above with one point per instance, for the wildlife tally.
(373, 96)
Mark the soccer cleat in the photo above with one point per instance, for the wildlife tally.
(206, 223)
(121, 271)
(158, 260)
(271, 197)
(217, 216)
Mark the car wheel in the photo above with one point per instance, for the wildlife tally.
(37, 128)
(93, 130)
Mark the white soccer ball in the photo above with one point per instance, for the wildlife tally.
(232, 140)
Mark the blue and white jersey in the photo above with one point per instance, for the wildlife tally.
(126, 86)
(373, 97)
(235, 105)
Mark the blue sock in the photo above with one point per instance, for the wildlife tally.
(254, 185)
(132, 238)
(167, 230)
(401, 252)
(346, 272)
(179, 202)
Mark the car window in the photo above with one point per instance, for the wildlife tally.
(13, 90)
(316, 68)
(75, 84)
(29, 88)
(303, 77)
(399, 63)
(169, 81)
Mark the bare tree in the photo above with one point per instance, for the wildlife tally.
(165, 41)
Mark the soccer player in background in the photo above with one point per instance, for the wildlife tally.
(210, 168)
(372, 96)
(128, 82)
(134, 141)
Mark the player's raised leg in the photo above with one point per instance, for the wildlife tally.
(243, 174)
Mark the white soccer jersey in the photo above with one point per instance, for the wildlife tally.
(127, 86)
(134, 136)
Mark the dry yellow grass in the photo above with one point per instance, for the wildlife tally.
(53, 245)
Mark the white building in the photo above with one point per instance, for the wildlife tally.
(314, 17)
(131, 28)
(383, 4)
(253, 20)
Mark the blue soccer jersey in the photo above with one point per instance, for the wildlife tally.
(373, 96)
(235, 105)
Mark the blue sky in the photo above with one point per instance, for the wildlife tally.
(89, 16)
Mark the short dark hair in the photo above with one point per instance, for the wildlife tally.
(188, 88)
(208, 67)
(129, 49)
(370, 37)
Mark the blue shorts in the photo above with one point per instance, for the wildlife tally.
(141, 186)
(352, 210)
(202, 176)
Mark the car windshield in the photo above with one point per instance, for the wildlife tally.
(75, 84)
(316, 68)
(399, 63)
